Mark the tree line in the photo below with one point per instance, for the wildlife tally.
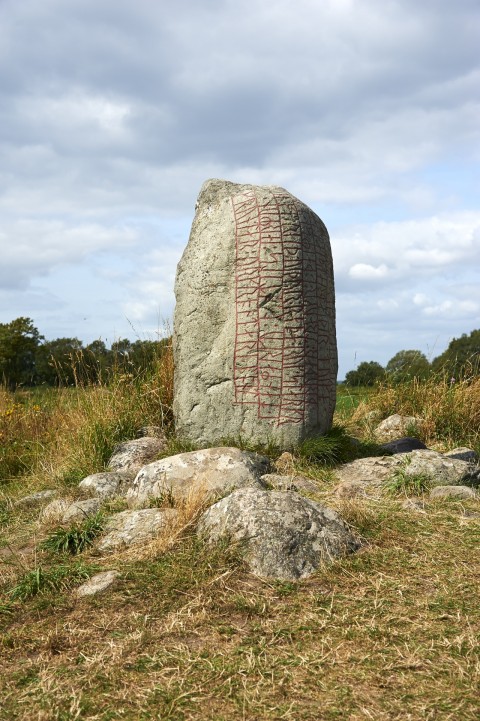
(461, 360)
(27, 359)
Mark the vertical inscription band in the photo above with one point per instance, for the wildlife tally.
(279, 334)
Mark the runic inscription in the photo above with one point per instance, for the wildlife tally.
(282, 305)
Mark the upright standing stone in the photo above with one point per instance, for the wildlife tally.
(254, 329)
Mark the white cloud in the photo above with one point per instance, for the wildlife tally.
(364, 271)
(354, 107)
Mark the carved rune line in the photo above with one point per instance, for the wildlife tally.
(279, 336)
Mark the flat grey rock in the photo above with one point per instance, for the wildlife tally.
(374, 472)
(283, 535)
(278, 482)
(97, 584)
(132, 455)
(462, 454)
(396, 426)
(81, 510)
(441, 469)
(460, 492)
(130, 528)
(54, 511)
(108, 483)
(254, 329)
(212, 472)
(35, 499)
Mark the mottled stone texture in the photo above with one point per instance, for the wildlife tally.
(254, 328)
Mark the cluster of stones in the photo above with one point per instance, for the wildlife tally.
(285, 534)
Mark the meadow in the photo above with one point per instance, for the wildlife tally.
(391, 632)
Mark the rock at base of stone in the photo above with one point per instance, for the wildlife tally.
(278, 482)
(79, 511)
(108, 483)
(35, 499)
(131, 528)
(403, 445)
(396, 426)
(458, 492)
(97, 584)
(282, 534)
(439, 469)
(211, 472)
(254, 329)
(132, 455)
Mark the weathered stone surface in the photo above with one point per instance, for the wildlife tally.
(403, 445)
(132, 455)
(54, 511)
(81, 510)
(285, 535)
(97, 584)
(461, 492)
(278, 482)
(441, 470)
(371, 472)
(213, 472)
(108, 483)
(350, 489)
(463, 454)
(129, 528)
(35, 499)
(254, 328)
(396, 426)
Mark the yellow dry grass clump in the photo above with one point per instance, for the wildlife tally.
(450, 410)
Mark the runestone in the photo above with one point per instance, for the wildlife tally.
(254, 328)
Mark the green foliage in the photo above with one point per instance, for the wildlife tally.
(334, 447)
(75, 539)
(19, 341)
(367, 374)
(26, 358)
(407, 364)
(461, 360)
(48, 580)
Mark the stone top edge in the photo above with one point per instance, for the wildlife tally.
(218, 188)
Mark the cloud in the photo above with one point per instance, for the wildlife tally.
(364, 271)
(113, 114)
(36, 248)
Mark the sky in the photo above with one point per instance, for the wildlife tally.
(114, 112)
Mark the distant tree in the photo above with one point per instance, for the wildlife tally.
(407, 364)
(58, 362)
(462, 357)
(19, 341)
(367, 374)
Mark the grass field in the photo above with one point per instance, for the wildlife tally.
(390, 633)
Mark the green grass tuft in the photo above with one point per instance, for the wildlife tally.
(47, 580)
(75, 539)
(403, 483)
(334, 447)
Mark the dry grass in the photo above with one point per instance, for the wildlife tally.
(450, 411)
(390, 633)
(73, 430)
